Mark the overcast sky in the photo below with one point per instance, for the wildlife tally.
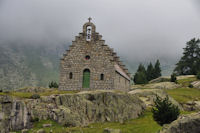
(134, 28)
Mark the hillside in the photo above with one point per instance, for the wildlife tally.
(36, 65)
(96, 111)
(28, 65)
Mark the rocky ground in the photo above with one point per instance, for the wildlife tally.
(184, 124)
(77, 109)
(19, 110)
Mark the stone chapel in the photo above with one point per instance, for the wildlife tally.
(90, 64)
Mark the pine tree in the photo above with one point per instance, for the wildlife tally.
(157, 69)
(150, 72)
(164, 111)
(140, 76)
(141, 68)
(190, 61)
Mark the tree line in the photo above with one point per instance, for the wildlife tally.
(189, 64)
(143, 75)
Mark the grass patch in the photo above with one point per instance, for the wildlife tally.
(143, 124)
(186, 82)
(29, 94)
(183, 95)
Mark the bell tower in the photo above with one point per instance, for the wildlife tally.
(89, 30)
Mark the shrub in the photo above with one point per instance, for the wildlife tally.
(190, 86)
(53, 84)
(198, 75)
(34, 119)
(164, 111)
(35, 96)
(173, 78)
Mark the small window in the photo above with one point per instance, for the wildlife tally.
(102, 77)
(70, 75)
(87, 57)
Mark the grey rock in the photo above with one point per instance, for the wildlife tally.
(25, 131)
(192, 106)
(109, 130)
(184, 124)
(148, 96)
(196, 84)
(46, 125)
(41, 131)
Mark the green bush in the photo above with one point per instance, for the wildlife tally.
(164, 111)
(190, 86)
(35, 96)
(53, 84)
(173, 78)
(198, 75)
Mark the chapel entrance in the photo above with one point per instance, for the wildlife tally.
(86, 78)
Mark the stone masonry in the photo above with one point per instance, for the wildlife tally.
(90, 53)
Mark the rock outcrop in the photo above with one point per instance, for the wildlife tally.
(148, 96)
(160, 79)
(160, 85)
(196, 84)
(13, 114)
(192, 106)
(184, 124)
(77, 109)
(163, 85)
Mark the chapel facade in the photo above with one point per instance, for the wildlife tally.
(89, 64)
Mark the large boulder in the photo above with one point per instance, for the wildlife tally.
(149, 95)
(159, 85)
(163, 85)
(13, 114)
(192, 106)
(196, 84)
(79, 109)
(184, 124)
(160, 79)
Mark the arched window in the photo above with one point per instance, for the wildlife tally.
(70, 75)
(102, 77)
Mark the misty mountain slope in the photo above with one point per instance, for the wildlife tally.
(28, 65)
(36, 65)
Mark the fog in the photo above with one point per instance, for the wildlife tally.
(136, 29)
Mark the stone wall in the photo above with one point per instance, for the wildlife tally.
(120, 82)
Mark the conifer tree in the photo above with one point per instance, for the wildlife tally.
(140, 76)
(190, 61)
(150, 72)
(157, 69)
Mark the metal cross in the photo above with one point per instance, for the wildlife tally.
(89, 19)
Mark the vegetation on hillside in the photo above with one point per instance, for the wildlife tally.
(53, 84)
(143, 76)
(30, 95)
(143, 124)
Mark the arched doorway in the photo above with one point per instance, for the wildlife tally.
(86, 78)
